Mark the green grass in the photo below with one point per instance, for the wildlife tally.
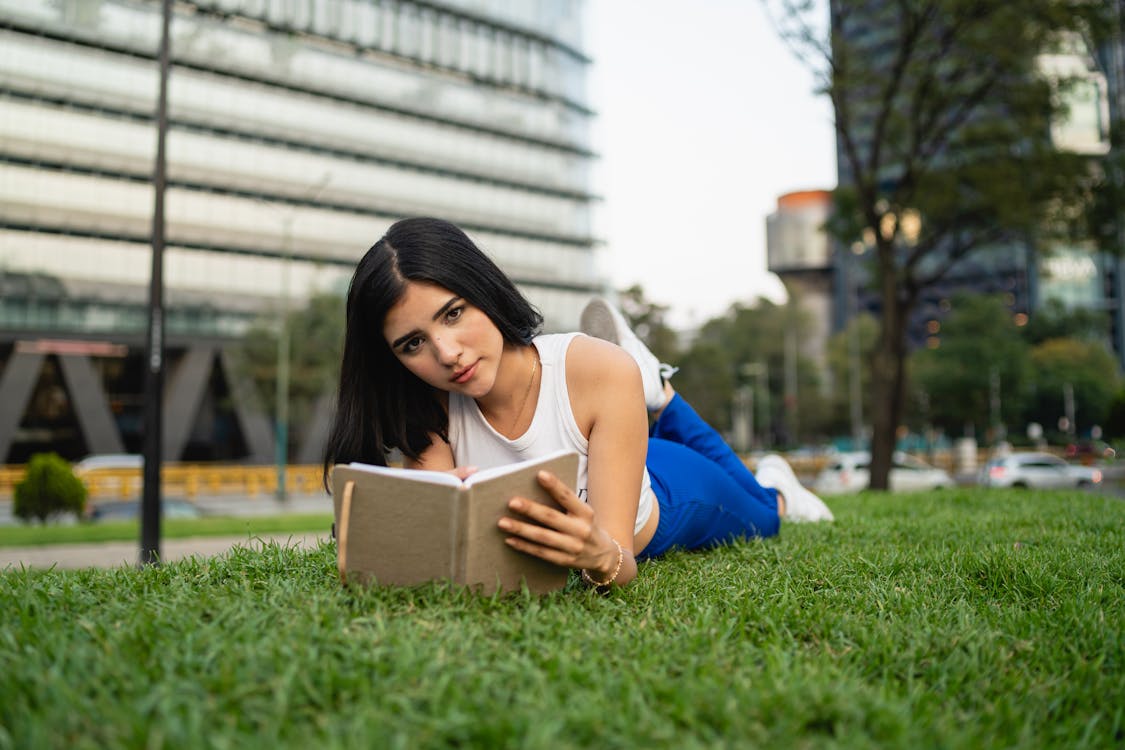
(964, 618)
(172, 528)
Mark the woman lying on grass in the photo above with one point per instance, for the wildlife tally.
(443, 360)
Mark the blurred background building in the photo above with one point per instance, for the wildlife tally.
(799, 251)
(298, 132)
(1026, 276)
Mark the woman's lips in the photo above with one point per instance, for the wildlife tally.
(463, 376)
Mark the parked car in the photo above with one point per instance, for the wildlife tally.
(850, 472)
(129, 510)
(109, 461)
(1038, 470)
(113, 475)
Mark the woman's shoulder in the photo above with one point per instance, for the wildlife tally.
(595, 363)
(602, 378)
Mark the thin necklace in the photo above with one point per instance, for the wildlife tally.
(523, 404)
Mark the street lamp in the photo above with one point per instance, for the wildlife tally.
(281, 406)
(760, 371)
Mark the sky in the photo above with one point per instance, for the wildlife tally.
(704, 118)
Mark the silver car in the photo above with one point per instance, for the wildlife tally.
(849, 472)
(1038, 470)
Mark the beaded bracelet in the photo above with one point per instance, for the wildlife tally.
(613, 576)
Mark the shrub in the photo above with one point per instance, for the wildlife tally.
(49, 487)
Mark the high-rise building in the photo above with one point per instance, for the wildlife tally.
(297, 132)
(1025, 275)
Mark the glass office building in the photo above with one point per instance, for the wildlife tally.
(1078, 275)
(298, 131)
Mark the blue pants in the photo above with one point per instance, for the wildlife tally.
(707, 495)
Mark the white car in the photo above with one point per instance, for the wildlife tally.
(109, 461)
(849, 472)
(1038, 470)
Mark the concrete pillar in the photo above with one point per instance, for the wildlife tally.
(91, 405)
(16, 386)
(182, 398)
(252, 418)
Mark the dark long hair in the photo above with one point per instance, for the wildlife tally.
(381, 405)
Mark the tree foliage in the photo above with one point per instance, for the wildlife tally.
(50, 487)
(647, 319)
(758, 348)
(1054, 320)
(984, 355)
(943, 124)
(316, 338)
(1085, 367)
(981, 356)
(848, 352)
(706, 380)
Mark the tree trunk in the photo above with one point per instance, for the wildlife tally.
(888, 377)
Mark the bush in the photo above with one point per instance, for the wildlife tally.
(50, 487)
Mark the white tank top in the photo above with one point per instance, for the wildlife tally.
(552, 428)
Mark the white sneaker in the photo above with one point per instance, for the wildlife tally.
(800, 504)
(601, 320)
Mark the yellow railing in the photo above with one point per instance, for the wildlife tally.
(188, 480)
(9, 476)
(193, 480)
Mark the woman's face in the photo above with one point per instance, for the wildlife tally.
(444, 340)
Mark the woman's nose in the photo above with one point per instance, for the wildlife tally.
(448, 351)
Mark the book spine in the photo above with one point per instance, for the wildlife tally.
(460, 532)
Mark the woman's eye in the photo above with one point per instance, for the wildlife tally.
(454, 314)
(412, 345)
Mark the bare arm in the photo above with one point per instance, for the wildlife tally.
(608, 404)
(438, 456)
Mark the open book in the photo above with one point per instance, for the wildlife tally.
(403, 526)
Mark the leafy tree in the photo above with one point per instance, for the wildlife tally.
(942, 122)
(1054, 320)
(647, 319)
(1087, 367)
(49, 487)
(758, 347)
(847, 349)
(706, 380)
(980, 353)
(1114, 426)
(316, 336)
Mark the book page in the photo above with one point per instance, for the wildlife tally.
(449, 480)
(498, 471)
(417, 475)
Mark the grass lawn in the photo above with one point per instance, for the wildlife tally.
(962, 618)
(172, 528)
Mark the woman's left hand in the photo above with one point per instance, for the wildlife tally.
(570, 537)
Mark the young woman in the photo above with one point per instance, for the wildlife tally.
(443, 360)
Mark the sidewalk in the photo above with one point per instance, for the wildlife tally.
(227, 505)
(112, 554)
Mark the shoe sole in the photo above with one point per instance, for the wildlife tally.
(597, 321)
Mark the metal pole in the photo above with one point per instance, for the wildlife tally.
(281, 437)
(791, 375)
(1068, 409)
(994, 404)
(154, 359)
(767, 417)
(281, 402)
